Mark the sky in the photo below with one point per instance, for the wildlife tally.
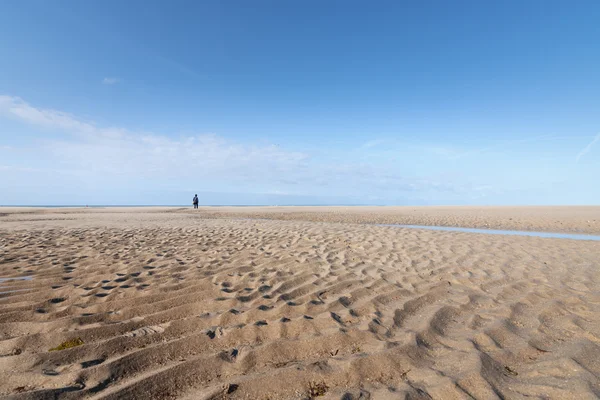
(299, 102)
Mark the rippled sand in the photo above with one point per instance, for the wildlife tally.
(172, 303)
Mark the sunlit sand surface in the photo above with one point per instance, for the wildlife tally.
(298, 303)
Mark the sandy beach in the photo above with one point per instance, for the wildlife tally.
(298, 303)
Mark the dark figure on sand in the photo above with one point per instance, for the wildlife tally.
(195, 201)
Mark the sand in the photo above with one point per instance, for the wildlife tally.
(311, 303)
(580, 219)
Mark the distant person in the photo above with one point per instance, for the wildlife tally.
(195, 201)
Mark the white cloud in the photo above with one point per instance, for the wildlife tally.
(103, 156)
(587, 148)
(124, 152)
(53, 119)
(110, 81)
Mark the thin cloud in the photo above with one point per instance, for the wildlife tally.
(53, 119)
(505, 144)
(114, 156)
(179, 67)
(456, 152)
(125, 152)
(14, 168)
(373, 143)
(587, 148)
(110, 81)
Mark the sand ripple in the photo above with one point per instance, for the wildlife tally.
(294, 309)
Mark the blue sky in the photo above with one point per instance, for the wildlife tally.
(299, 102)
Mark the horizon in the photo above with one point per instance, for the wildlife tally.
(348, 104)
(293, 205)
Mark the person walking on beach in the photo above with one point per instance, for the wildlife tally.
(195, 201)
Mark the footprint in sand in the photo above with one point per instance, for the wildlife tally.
(92, 363)
(215, 333)
(145, 331)
(57, 300)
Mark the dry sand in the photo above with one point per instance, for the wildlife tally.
(177, 303)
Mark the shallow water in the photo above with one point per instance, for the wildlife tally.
(12, 279)
(14, 291)
(17, 278)
(553, 235)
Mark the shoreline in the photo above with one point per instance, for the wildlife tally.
(554, 219)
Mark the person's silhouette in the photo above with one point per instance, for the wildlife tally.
(195, 201)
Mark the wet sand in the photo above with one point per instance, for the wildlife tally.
(545, 219)
(299, 303)
(573, 219)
